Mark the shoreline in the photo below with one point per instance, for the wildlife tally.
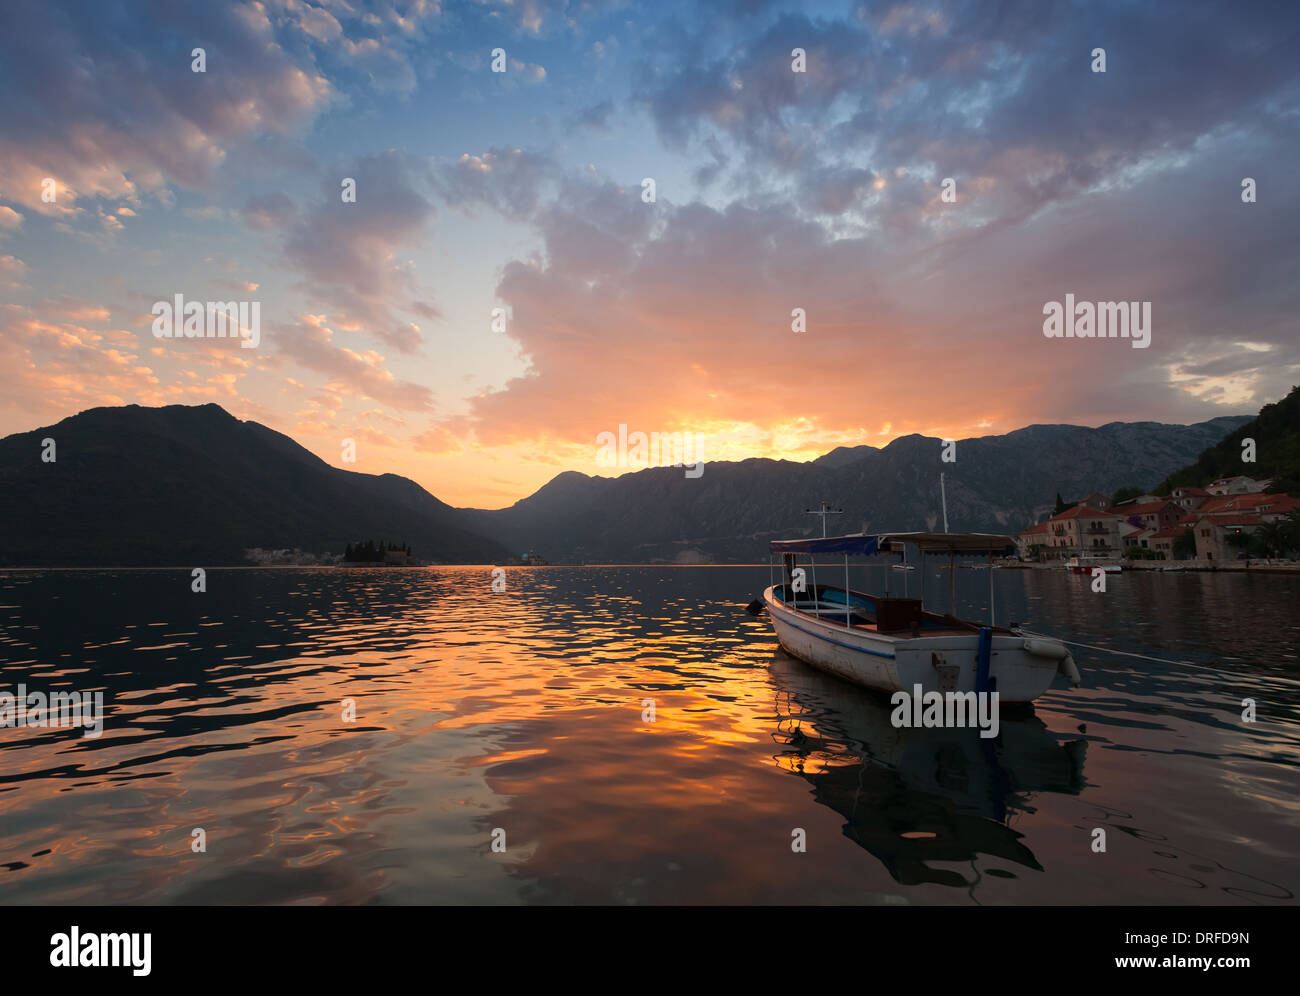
(1188, 567)
(1156, 567)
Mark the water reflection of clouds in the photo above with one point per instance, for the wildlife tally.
(523, 711)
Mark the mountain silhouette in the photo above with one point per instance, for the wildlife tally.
(194, 486)
(997, 484)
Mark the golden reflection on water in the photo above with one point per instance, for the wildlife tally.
(524, 711)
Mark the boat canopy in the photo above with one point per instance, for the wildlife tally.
(854, 546)
(949, 542)
(862, 545)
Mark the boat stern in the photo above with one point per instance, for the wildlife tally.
(1045, 646)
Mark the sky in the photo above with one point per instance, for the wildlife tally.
(780, 183)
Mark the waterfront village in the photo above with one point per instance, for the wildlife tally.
(1234, 522)
(1228, 522)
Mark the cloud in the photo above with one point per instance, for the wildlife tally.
(110, 106)
(970, 91)
(56, 367)
(438, 440)
(539, 17)
(510, 181)
(309, 342)
(348, 253)
(817, 191)
(670, 316)
(530, 71)
(13, 271)
(596, 117)
(269, 212)
(375, 437)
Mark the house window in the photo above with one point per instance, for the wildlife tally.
(1205, 532)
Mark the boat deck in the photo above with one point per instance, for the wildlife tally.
(862, 618)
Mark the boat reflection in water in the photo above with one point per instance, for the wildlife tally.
(914, 797)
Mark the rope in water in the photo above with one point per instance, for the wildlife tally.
(1144, 657)
(1121, 653)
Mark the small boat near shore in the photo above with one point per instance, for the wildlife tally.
(1086, 565)
(894, 644)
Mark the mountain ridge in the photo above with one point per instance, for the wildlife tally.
(194, 485)
(1275, 434)
(998, 483)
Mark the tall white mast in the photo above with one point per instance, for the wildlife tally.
(943, 497)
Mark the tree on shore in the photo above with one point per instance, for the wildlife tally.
(1274, 538)
(1291, 529)
(370, 552)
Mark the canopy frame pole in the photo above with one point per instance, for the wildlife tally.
(952, 586)
(922, 557)
(992, 619)
(848, 609)
(817, 599)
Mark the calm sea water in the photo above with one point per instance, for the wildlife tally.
(523, 712)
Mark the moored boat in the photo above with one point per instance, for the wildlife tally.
(894, 644)
(1086, 565)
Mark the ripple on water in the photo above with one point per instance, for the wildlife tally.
(355, 736)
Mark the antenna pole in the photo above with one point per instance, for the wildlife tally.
(824, 511)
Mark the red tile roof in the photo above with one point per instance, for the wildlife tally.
(1278, 503)
(1227, 503)
(1281, 504)
(1084, 512)
(1147, 508)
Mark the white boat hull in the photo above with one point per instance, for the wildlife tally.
(1024, 667)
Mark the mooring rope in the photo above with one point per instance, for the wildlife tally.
(1121, 653)
(1159, 660)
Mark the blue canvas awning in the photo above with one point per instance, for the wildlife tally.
(954, 543)
(853, 546)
